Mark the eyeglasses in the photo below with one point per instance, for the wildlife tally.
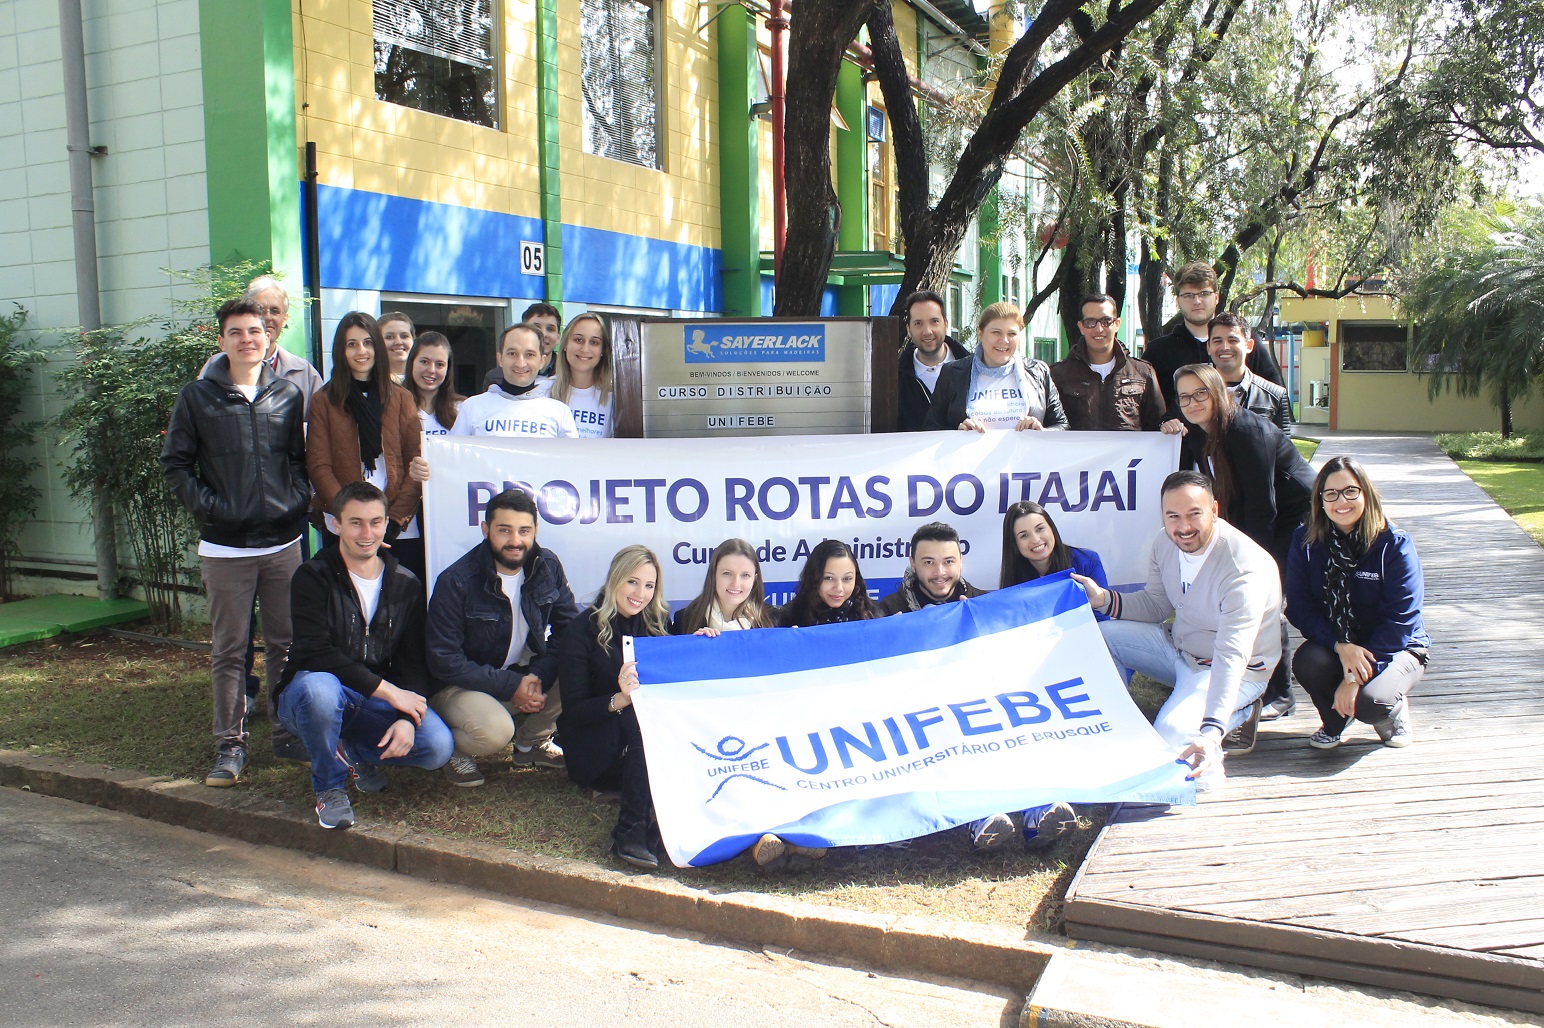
(1191, 399)
(272, 312)
(1206, 294)
(1098, 322)
(1350, 492)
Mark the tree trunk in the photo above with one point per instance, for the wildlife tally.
(817, 38)
(1506, 413)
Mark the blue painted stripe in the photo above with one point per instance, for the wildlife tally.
(637, 271)
(787, 650)
(378, 241)
(829, 298)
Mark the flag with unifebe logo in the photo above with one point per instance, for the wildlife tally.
(877, 731)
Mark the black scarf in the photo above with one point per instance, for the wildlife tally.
(365, 407)
(514, 390)
(825, 614)
(1346, 551)
(918, 597)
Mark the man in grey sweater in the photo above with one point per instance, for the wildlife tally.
(1224, 593)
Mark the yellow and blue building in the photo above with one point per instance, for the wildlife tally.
(456, 159)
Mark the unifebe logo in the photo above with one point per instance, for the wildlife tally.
(740, 344)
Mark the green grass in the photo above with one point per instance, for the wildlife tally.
(145, 707)
(1517, 486)
(1307, 447)
(1523, 446)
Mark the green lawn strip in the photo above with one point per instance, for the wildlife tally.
(1522, 446)
(1517, 486)
(145, 707)
(1307, 447)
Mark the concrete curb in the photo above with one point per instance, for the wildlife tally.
(982, 953)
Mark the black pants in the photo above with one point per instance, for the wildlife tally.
(1319, 672)
(619, 754)
(1280, 685)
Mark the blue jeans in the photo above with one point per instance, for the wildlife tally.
(328, 716)
(1147, 648)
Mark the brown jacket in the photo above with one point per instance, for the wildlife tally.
(1129, 400)
(332, 452)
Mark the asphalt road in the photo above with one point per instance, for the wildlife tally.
(109, 920)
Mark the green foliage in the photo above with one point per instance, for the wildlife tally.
(18, 496)
(120, 392)
(1522, 446)
(1476, 303)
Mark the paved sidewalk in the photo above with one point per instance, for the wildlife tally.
(1419, 869)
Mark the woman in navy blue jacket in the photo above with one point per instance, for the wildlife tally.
(1033, 547)
(1354, 589)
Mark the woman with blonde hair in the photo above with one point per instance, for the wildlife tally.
(602, 745)
(583, 379)
(1354, 589)
(998, 386)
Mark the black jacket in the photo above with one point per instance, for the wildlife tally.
(470, 622)
(912, 398)
(910, 596)
(1266, 399)
(330, 633)
(1272, 483)
(1126, 400)
(587, 673)
(239, 465)
(953, 392)
(1167, 354)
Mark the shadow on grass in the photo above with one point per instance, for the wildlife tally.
(143, 706)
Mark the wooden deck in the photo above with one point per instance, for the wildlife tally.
(1419, 869)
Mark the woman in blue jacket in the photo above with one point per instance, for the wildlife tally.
(1354, 589)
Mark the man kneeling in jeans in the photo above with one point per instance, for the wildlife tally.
(494, 622)
(354, 685)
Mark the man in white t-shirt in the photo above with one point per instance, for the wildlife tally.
(1224, 594)
(235, 455)
(493, 623)
(517, 404)
(353, 687)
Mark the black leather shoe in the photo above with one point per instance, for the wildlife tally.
(636, 853)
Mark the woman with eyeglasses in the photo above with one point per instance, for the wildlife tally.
(996, 387)
(1264, 487)
(1354, 589)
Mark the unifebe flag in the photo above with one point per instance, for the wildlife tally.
(876, 731)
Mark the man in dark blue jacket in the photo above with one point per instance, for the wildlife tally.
(493, 626)
(929, 346)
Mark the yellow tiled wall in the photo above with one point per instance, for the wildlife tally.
(366, 144)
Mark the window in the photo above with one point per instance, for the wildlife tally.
(618, 74)
(437, 56)
(1374, 346)
(1047, 349)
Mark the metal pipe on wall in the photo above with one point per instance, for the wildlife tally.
(77, 117)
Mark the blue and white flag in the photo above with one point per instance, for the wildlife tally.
(876, 731)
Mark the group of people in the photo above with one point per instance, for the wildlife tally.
(365, 672)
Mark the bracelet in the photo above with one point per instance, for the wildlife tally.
(611, 704)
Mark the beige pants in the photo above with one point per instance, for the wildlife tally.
(483, 726)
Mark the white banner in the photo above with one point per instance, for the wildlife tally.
(681, 498)
(882, 730)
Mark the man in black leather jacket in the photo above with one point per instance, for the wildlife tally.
(235, 455)
(929, 346)
(494, 623)
(353, 688)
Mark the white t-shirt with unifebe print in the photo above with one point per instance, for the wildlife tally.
(594, 419)
(997, 397)
(497, 413)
